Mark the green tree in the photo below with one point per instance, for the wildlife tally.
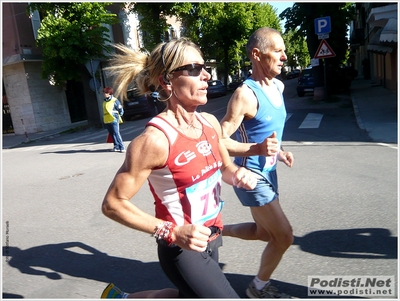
(153, 20)
(70, 35)
(225, 28)
(221, 29)
(296, 50)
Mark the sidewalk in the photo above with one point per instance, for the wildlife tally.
(12, 140)
(375, 108)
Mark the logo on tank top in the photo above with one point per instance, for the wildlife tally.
(184, 158)
(204, 148)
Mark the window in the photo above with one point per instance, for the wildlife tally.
(35, 19)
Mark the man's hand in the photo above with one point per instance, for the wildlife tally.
(286, 157)
(270, 146)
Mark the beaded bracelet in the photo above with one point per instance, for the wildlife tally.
(164, 232)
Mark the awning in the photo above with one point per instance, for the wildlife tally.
(389, 32)
(378, 16)
(375, 45)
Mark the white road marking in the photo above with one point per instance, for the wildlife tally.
(312, 121)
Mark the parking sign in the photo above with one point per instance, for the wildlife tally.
(322, 25)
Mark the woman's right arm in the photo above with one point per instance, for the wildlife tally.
(144, 153)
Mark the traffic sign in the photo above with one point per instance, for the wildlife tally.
(324, 51)
(322, 25)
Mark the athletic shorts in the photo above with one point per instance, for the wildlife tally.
(264, 193)
(196, 274)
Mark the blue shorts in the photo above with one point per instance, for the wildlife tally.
(265, 192)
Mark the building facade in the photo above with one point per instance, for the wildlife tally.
(32, 104)
(373, 43)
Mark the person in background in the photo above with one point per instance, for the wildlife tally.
(256, 112)
(180, 155)
(112, 117)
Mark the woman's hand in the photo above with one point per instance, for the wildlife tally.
(191, 237)
(244, 178)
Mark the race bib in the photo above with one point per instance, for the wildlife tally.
(204, 199)
(270, 163)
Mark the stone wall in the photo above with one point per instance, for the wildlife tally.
(35, 105)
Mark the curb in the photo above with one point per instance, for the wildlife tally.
(55, 133)
(357, 113)
(31, 140)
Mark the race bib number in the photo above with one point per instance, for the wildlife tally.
(270, 163)
(204, 199)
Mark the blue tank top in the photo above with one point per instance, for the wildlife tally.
(269, 118)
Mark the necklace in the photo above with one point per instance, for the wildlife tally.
(195, 130)
(193, 126)
(189, 125)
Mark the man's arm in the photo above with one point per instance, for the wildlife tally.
(243, 105)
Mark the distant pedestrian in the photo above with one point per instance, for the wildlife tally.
(256, 112)
(112, 117)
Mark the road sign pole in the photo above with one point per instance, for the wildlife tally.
(325, 82)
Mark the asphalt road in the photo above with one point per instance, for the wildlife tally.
(340, 196)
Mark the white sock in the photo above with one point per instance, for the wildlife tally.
(259, 284)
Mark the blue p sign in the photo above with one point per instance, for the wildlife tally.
(322, 25)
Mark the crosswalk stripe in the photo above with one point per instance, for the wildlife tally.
(288, 116)
(312, 121)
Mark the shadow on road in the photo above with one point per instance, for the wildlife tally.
(80, 260)
(368, 243)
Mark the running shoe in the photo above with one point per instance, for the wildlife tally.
(113, 292)
(267, 292)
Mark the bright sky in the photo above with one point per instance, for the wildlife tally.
(280, 5)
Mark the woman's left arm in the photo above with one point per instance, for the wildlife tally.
(231, 174)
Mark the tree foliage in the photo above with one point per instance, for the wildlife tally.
(296, 50)
(221, 29)
(153, 20)
(70, 35)
(302, 15)
(300, 18)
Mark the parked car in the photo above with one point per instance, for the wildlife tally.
(233, 85)
(139, 104)
(340, 78)
(160, 105)
(293, 74)
(305, 82)
(215, 88)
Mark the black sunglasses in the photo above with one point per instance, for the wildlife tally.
(193, 69)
